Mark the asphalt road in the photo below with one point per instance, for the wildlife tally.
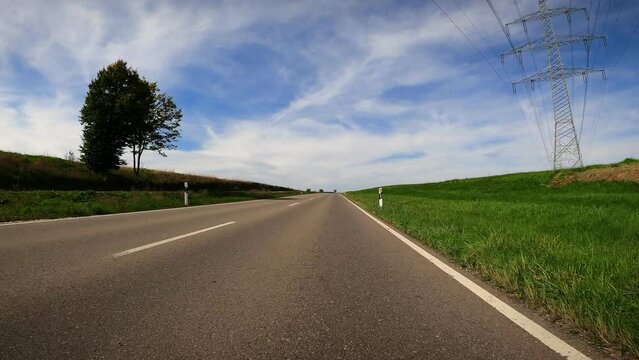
(304, 277)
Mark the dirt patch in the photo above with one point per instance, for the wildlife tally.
(623, 173)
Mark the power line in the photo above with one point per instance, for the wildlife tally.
(566, 149)
(470, 42)
(592, 31)
(501, 24)
(594, 26)
(484, 57)
(481, 34)
(529, 92)
(606, 18)
(583, 108)
(632, 35)
(603, 90)
(488, 46)
(572, 58)
(536, 67)
(602, 31)
(572, 80)
(598, 112)
(589, 22)
(618, 13)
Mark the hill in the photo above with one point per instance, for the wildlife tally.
(625, 171)
(565, 242)
(31, 172)
(42, 187)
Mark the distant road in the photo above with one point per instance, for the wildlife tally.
(302, 277)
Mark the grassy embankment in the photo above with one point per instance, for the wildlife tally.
(37, 187)
(566, 242)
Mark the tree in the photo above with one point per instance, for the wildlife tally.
(158, 130)
(69, 156)
(117, 100)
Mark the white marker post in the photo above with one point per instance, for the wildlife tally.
(186, 193)
(381, 198)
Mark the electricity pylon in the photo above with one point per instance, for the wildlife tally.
(567, 152)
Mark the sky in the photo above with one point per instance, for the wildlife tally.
(323, 94)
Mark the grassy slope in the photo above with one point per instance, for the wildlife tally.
(37, 187)
(31, 172)
(27, 205)
(571, 250)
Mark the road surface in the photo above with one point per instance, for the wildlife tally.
(304, 277)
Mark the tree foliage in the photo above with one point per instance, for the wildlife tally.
(124, 110)
(117, 98)
(70, 155)
(158, 131)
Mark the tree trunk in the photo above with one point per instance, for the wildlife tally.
(134, 154)
(139, 156)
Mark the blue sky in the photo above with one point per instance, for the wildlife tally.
(332, 94)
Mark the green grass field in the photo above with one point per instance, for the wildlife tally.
(28, 205)
(43, 187)
(571, 250)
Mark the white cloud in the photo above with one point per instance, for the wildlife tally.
(40, 126)
(306, 153)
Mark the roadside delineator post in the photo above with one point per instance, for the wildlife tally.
(186, 193)
(381, 198)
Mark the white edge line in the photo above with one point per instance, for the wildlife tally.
(534, 329)
(293, 204)
(127, 213)
(161, 242)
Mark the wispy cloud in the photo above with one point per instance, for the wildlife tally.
(400, 156)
